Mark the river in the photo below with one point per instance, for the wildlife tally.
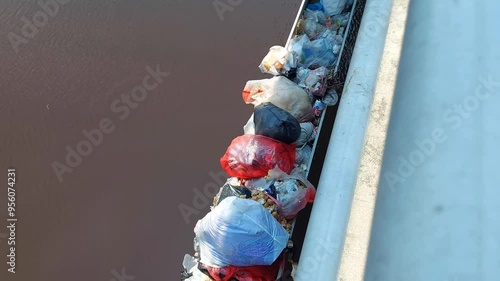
(66, 71)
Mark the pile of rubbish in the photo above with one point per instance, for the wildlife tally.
(246, 234)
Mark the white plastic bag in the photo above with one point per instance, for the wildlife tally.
(191, 267)
(240, 232)
(331, 98)
(333, 7)
(281, 92)
(249, 128)
(307, 134)
(277, 61)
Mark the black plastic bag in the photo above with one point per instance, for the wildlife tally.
(229, 190)
(274, 122)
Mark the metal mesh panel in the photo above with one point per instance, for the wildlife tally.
(338, 79)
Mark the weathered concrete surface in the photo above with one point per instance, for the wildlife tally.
(358, 232)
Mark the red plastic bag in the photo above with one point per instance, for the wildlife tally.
(252, 156)
(247, 273)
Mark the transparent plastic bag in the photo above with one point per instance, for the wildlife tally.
(281, 92)
(330, 38)
(304, 154)
(313, 24)
(240, 232)
(333, 7)
(297, 44)
(277, 61)
(293, 191)
(312, 28)
(313, 81)
(317, 53)
(316, 15)
(313, 54)
(232, 187)
(259, 184)
(339, 39)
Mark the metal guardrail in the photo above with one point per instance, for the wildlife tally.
(323, 243)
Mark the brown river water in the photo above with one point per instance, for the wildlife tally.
(99, 177)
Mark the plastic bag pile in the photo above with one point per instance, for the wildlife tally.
(245, 235)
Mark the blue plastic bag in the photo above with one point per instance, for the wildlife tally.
(315, 7)
(317, 53)
(313, 54)
(240, 232)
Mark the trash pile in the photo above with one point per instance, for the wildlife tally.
(246, 235)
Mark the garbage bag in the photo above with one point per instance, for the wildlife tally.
(246, 273)
(232, 187)
(304, 154)
(313, 54)
(333, 7)
(331, 98)
(317, 15)
(191, 270)
(240, 232)
(313, 24)
(274, 122)
(261, 184)
(281, 92)
(249, 127)
(315, 7)
(296, 45)
(317, 53)
(277, 61)
(252, 156)
(313, 81)
(293, 198)
(307, 134)
(332, 39)
(293, 191)
(311, 28)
